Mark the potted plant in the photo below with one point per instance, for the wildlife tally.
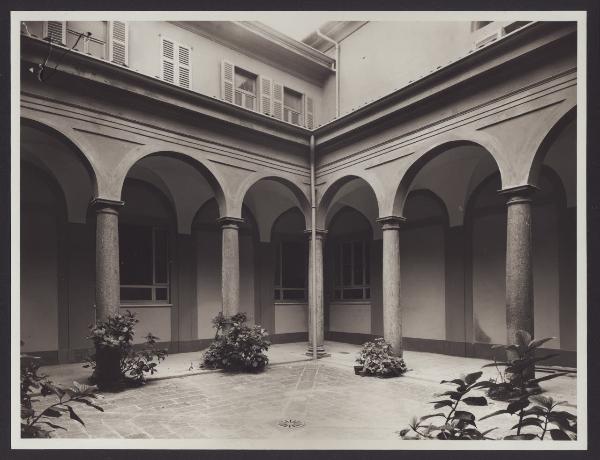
(377, 358)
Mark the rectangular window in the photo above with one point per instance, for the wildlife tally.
(245, 88)
(291, 267)
(352, 270)
(292, 106)
(144, 264)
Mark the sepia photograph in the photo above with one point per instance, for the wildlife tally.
(298, 230)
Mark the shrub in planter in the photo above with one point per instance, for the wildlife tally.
(115, 361)
(40, 424)
(377, 358)
(237, 347)
(518, 379)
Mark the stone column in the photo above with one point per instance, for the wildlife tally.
(318, 289)
(519, 273)
(107, 257)
(392, 309)
(230, 266)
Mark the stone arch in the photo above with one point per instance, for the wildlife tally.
(345, 210)
(283, 215)
(430, 195)
(299, 194)
(139, 154)
(329, 193)
(439, 148)
(547, 135)
(73, 171)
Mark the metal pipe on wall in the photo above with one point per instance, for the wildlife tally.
(313, 240)
(337, 70)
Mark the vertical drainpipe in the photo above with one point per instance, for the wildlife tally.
(337, 70)
(313, 240)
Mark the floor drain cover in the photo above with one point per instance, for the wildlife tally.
(291, 423)
(344, 352)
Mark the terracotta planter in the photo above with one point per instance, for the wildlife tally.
(108, 367)
(358, 370)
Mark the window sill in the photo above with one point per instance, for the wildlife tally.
(350, 302)
(290, 302)
(146, 305)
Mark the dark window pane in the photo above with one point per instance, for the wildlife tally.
(245, 81)
(337, 294)
(353, 294)
(162, 294)
(292, 100)
(367, 263)
(129, 294)
(347, 264)
(135, 254)
(294, 295)
(161, 255)
(277, 294)
(294, 264)
(367, 293)
(337, 265)
(358, 263)
(277, 265)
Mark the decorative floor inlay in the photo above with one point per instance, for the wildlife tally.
(291, 423)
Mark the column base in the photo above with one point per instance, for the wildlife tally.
(321, 353)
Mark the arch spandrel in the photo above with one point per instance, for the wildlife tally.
(394, 205)
(211, 175)
(327, 191)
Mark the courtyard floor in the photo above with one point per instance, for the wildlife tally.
(322, 400)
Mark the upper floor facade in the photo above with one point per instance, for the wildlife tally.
(308, 83)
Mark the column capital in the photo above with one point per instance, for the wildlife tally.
(103, 205)
(230, 222)
(519, 193)
(320, 233)
(391, 222)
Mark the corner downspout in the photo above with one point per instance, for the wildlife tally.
(313, 239)
(337, 70)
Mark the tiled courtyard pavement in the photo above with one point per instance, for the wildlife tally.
(330, 401)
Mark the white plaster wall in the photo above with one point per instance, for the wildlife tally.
(422, 275)
(350, 317)
(489, 258)
(291, 317)
(39, 280)
(247, 299)
(208, 276)
(545, 274)
(206, 57)
(156, 320)
(412, 49)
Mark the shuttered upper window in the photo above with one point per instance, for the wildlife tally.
(261, 93)
(118, 33)
(176, 63)
(56, 32)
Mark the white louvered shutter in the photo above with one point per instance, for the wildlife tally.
(266, 95)
(309, 110)
(56, 31)
(119, 42)
(184, 66)
(278, 100)
(227, 71)
(167, 60)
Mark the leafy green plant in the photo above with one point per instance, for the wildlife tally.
(40, 424)
(116, 361)
(456, 424)
(237, 346)
(541, 414)
(518, 378)
(377, 358)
